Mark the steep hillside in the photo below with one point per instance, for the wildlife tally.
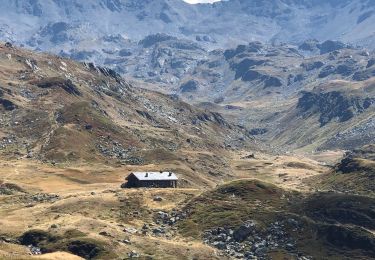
(273, 90)
(354, 174)
(296, 98)
(172, 47)
(59, 111)
(334, 115)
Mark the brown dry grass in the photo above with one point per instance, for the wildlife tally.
(287, 171)
(92, 202)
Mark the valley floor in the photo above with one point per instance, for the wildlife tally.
(86, 203)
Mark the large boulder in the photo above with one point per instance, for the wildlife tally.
(244, 231)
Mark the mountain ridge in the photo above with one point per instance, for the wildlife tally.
(272, 21)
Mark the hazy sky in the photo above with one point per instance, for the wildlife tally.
(200, 1)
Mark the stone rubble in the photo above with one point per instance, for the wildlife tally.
(34, 250)
(249, 241)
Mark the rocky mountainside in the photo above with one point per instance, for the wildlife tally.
(176, 48)
(71, 24)
(59, 111)
(271, 89)
(297, 99)
(264, 110)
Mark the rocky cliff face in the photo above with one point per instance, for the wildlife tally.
(333, 105)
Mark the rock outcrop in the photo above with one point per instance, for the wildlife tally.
(332, 105)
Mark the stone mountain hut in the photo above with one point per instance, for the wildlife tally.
(151, 180)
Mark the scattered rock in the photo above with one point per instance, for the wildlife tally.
(10, 189)
(126, 241)
(157, 198)
(130, 230)
(34, 250)
(249, 240)
(133, 254)
(244, 231)
(158, 231)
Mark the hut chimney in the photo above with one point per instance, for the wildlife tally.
(146, 174)
(170, 174)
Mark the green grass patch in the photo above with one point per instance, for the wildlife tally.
(72, 241)
(232, 204)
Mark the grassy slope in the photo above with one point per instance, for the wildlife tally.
(354, 174)
(334, 225)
